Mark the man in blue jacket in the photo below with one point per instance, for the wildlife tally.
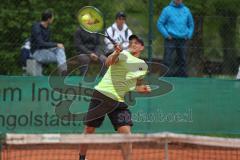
(176, 26)
(43, 49)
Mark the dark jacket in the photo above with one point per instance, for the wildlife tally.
(86, 43)
(40, 38)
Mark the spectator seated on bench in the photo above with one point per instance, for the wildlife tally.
(88, 49)
(43, 50)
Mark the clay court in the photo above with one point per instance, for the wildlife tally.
(66, 152)
(163, 146)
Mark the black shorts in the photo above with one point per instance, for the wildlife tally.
(101, 105)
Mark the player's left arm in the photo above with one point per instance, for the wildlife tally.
(141, 87)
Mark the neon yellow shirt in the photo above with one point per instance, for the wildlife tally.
(122, 77)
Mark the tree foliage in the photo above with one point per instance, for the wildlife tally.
(17, 17)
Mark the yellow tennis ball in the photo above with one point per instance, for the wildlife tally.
(86, 18)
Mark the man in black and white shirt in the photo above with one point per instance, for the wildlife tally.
(119, 32)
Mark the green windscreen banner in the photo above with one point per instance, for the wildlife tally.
(188, 105)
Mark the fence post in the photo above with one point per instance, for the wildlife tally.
(166, 150)
(150, 30)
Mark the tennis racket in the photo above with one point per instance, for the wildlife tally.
(91, 20)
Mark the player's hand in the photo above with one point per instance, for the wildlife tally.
(93, 56)
(118, 48)
(143, 89)
(60, 45)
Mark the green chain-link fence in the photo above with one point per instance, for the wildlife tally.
(214, 49)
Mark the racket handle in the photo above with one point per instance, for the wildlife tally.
(108, 37)
(118, 48)
(113, 42)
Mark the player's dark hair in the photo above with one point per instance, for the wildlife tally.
(47, 14)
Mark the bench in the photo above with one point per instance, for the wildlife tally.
(33, 68)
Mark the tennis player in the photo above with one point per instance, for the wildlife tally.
(125, 73)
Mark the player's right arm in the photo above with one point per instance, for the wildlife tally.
(113, 58)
